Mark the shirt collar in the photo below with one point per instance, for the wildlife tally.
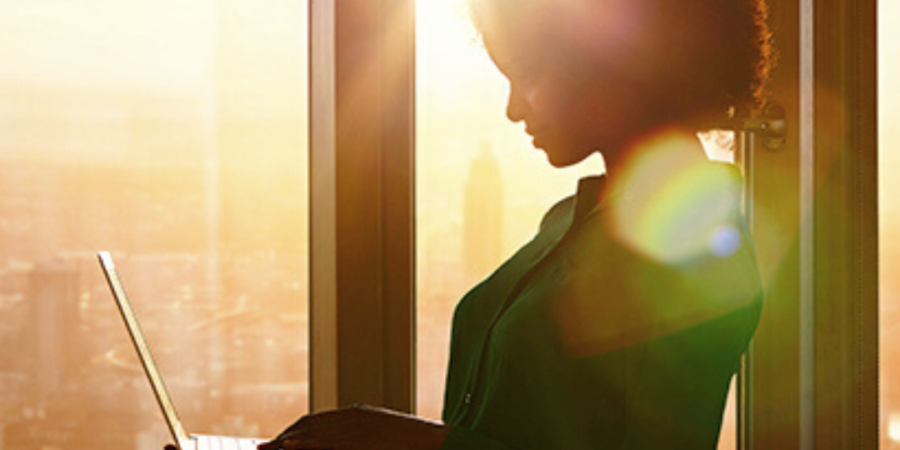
(591, 194)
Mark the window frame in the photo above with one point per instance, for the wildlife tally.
(362, 222)
(810, 377)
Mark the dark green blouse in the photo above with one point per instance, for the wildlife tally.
(533, 364)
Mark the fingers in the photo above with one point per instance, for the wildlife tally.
(294, 427)
(308, 420)
(271, 445)
(307, 444)
(329, 430)
(298, 444)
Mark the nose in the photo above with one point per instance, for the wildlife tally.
(517, 106)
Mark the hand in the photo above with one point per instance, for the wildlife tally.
(360, 428)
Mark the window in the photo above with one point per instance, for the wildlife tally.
(889, 205)
(811, 372)
(182, 152)
(172, 134)
(481, 186)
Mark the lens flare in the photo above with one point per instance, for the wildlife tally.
(676, 208)
(725, 241)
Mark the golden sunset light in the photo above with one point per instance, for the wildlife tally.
(176, 135)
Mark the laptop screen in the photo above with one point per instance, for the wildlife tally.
(140, 344)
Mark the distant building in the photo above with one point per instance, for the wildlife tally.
(54, 331)
(76, 422)
(482, 217)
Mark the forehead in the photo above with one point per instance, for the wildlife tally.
(506, 52)
(598, 32)
(516, 38)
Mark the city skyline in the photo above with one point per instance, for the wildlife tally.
(189, 162)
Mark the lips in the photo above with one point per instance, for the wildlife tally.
(536, 135)
(532, 131)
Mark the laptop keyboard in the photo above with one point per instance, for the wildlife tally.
(226, 443)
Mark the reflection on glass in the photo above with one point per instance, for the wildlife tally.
(171, 134)
(482, 188)
(889, 212)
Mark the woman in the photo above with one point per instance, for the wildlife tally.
(621, 323)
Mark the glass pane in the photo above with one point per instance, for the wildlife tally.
(482, 188)
(889, 211)
(470, 160)
(172, 134)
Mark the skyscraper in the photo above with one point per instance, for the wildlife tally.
(482, 216)
(54, 334)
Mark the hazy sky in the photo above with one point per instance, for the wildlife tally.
(159, 43)
(169, 46)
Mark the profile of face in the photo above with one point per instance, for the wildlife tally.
(588, 76)
(570, 105)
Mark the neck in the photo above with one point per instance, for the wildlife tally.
(666, 142)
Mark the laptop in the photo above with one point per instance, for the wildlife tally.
(183, 440)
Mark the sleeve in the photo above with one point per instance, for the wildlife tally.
(461, 438)
(684, 379)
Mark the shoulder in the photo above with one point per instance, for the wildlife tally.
(680, 215)
(653, 264)
(560, 212)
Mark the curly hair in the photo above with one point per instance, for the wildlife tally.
(699, 58)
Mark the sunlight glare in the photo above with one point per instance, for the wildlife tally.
(450, 66)
(679, 209)
(894, 427)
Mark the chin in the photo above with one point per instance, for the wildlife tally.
(560, 160)
(560, 164)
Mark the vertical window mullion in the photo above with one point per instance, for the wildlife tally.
(361, 214)
(813, 380)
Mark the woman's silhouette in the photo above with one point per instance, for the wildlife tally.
(622, 322)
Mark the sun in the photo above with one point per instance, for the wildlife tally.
(449, 58)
